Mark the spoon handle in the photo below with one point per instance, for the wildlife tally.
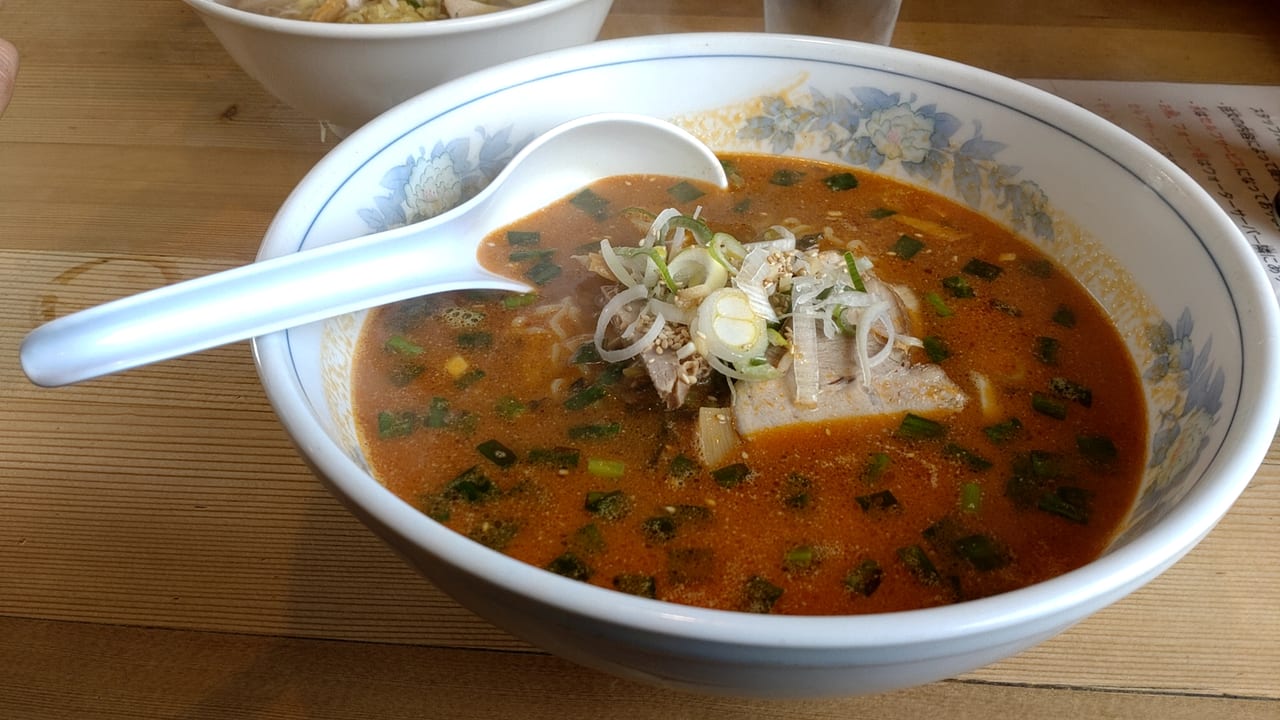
(253, 300)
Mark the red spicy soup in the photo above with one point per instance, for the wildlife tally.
(1008, 451)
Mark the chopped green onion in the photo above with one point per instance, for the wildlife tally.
(918, 562)
(944, 531)
(405, 374)
(519, 300)
(982, 269)
(495, 535)
(396, 424)
(915, 427)
(881, 213)
(601, 467)
(1070, 503)
(981, 552)
(1052, 407)
(641, 218)
(838, 317)
(469, 378)
(510, 408)
(970, 497)
(855, 277)
(560, 457)
(587, 540)
(786, 178)
(841, 181)
(497, 453)
(636, 584)
(598, 431)
(608, 505)
(795, 491)
(437, 413)
(936, 348)
(470, 485)
(731, 476)
(402, 345)
(1064, 316)
(657, 257)
(876, 466)
(543, 272)
(1041, 464)
(584, 397)
(760, 595)
(958, 286)
(1070, 390)
(516, 256)
(878, 502)
(591, 204)
(906, 247)
(976, 462)
(701, 231)
(682, 468)
(570, 566)
(687, 566)
(659, 528)
(1046, 350)
(683, 514)
(475, 340)
(1022, 491)
(1003, 432)
(586, 353)
(939, 306)
(611, 374)
(685, 191)
(1038, 267)
(1097, 449)
(799, 557)
(865, 578)
(523, 237)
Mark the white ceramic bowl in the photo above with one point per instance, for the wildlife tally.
(346, 74)
(1180, 281)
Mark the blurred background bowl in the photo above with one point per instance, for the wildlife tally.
(1182, 284)
(345, 74)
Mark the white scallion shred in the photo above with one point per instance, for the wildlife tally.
(752, 310)
(611, 310)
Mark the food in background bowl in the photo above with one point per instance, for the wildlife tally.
(821, 392)
(1186, 294)
(344, 74)
(374, 11)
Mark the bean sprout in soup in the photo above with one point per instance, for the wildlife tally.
(819, 392)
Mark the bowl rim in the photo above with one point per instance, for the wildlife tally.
(1245, 442)
(374, 31)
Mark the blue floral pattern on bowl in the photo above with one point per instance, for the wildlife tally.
(430, 183)
(869, 127)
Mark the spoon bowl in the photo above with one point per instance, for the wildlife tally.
(409, 261)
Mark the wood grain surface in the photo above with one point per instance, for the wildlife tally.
(165, 554)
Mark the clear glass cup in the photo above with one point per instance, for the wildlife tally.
(865, 20)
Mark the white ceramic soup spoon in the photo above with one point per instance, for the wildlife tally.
(431, 256)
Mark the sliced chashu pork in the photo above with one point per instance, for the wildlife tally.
(894, 387)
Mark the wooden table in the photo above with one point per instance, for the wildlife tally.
(164, 552)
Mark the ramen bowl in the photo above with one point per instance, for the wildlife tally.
(1137, 232)
(345, 74)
